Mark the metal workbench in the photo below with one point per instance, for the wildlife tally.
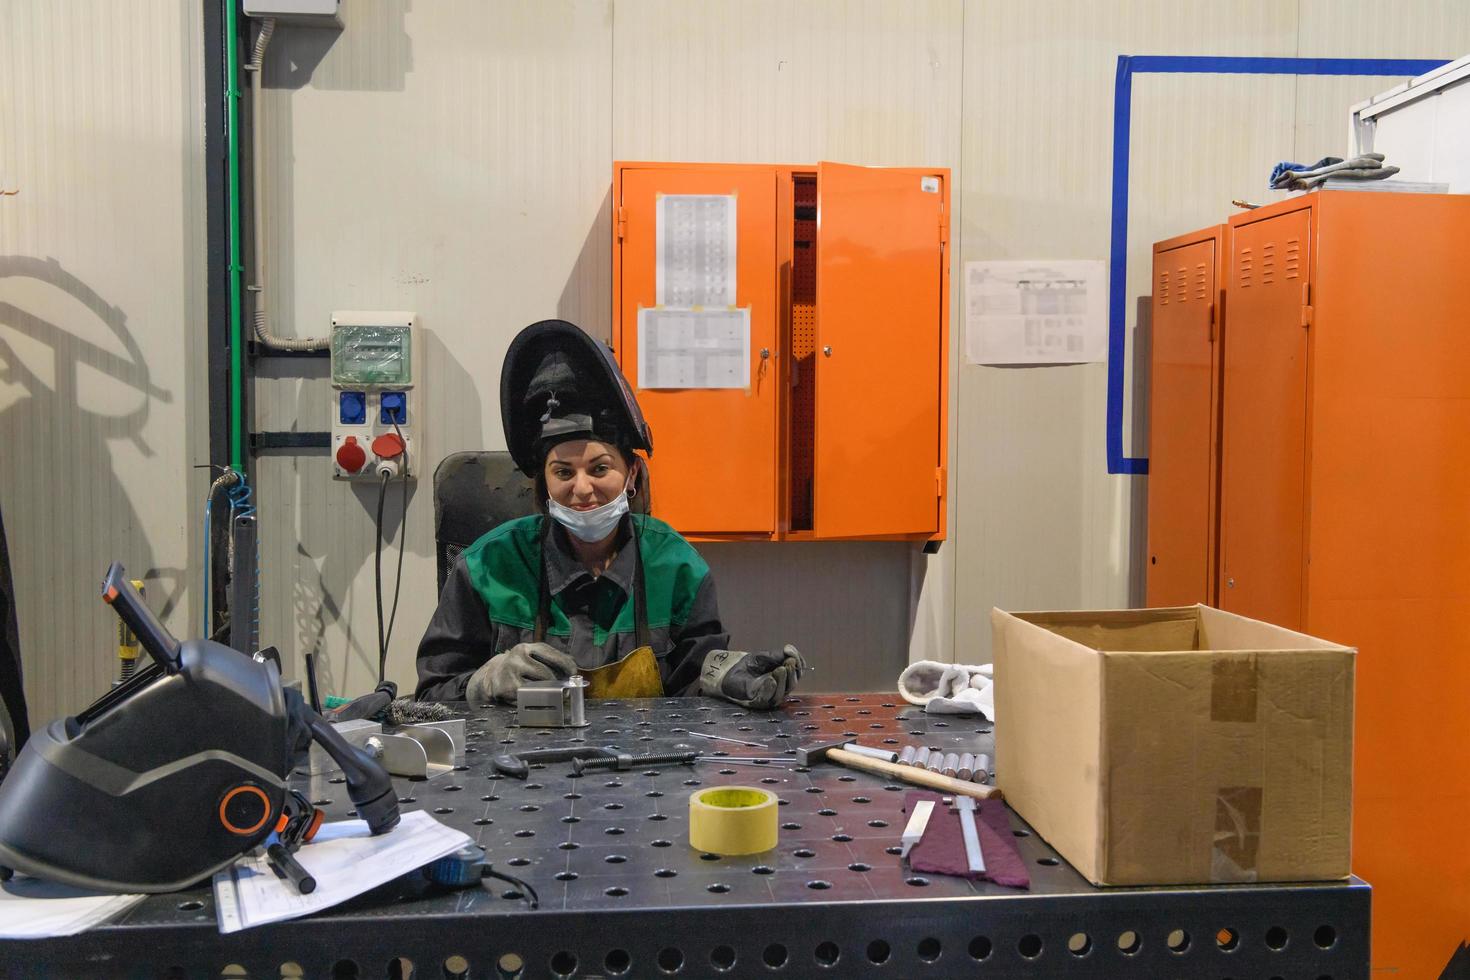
(623, 894)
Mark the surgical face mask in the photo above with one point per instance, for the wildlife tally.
(590, 525)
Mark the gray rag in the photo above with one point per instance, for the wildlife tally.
(1365, 166)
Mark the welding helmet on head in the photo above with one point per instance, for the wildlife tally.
(559, 383)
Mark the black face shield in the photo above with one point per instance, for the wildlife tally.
(558, 383)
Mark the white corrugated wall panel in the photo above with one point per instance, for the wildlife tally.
(853, 81)
(101, 324)
(450, 158)
(1041, 524)
(453, 157)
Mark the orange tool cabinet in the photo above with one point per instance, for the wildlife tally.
(1344, 512)
(840, 432)
(1184, 431)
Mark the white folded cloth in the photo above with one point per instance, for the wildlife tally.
(949, 689)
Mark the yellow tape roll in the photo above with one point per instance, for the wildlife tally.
(732, 820)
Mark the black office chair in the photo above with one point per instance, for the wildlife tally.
(475, 492)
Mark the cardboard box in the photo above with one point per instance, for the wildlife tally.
(1176, 746)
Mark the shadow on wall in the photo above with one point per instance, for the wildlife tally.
(845, 604)
(68, 511)
(328, 562)
(1138, 486)
(375, 53)
(586, 298)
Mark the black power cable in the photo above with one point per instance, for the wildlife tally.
(378, 578)
(386, 636)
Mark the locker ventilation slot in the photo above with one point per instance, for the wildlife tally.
(1164, 288)
(1200, 278)
(1268, 263)
(1293, 258)
(803, 351)
(1245, 268)
(1181, 282)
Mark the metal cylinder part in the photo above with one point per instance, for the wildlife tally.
(950, 764)
(871, 752)
(906, 757)
(982, 769)
(921, 757)
(936, 761)
(966, 768)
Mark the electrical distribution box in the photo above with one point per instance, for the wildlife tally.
(786, 330)
(376, 373)
(1343, 459)
(305, 13)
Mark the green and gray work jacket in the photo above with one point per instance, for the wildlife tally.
(490, 599)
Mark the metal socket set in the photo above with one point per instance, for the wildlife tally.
(970, 766)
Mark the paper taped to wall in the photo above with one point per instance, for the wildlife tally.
(1036, 312)
(693, 348)
(695, 243)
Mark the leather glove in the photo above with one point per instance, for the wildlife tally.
(751, 680)
(503, 674)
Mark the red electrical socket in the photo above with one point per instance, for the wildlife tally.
(388, 446)
(351, 456)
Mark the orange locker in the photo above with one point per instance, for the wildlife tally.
(1344, 512)
(1184, 431)
(842, 275)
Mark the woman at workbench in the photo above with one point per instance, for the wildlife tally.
(585, 586)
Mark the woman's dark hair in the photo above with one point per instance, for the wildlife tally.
(640, 502)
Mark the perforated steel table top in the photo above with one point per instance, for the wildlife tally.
(623, 894)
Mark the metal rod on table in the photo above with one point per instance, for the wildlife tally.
(723, 738)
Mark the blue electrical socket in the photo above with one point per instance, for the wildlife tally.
(394, 408)
(352, 407)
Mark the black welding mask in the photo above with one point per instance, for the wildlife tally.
(175, 773)
(559, 383)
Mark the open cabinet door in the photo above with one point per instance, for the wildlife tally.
(714, 464)
(880, 318)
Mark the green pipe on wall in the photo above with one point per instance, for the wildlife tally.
(232, 191)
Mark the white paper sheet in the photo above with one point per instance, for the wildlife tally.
(684, 348)
(344, 860)
(695, 261)
(34, 909)
(1043, 312)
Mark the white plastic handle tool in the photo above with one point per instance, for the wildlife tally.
(973, 856)
(918, 821)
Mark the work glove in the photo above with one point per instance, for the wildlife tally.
(503, 674)
(752, 680)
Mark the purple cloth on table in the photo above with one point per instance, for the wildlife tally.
(942, 849)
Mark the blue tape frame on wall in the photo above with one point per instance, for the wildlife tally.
(1128, 66)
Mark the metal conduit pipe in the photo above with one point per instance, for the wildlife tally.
(263, 334)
